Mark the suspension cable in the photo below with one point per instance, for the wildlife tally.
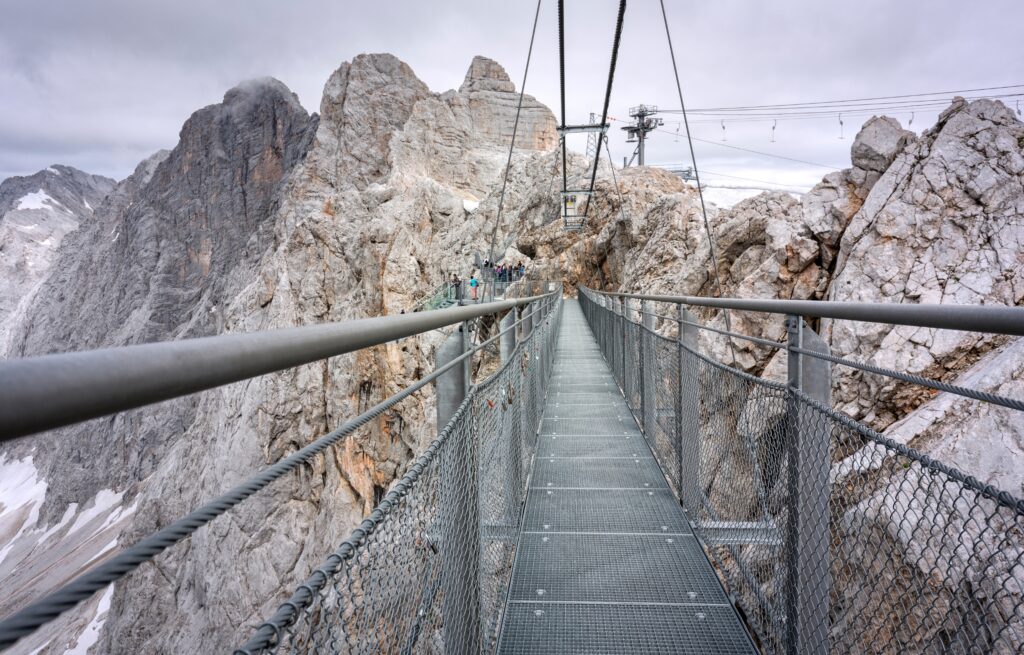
(696, 176)
(615, 180)
(515, 128)
(561, 75)
(607, 95)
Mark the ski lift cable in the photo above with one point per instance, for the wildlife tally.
(825, 109)
(696, 176)
(515, 128)
(750, 150)
(713, 117)
(832, 102)
(754, 179)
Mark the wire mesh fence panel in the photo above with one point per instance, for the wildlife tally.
(909, 555)
(736, 488)
(923, 559)
(661, 434)
(429, 570)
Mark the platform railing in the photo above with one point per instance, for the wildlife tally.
(828, 536)
(440, 539)
(429, 569)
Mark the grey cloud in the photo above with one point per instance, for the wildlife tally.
(99, 85)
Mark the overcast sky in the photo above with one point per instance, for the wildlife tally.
(102, 84)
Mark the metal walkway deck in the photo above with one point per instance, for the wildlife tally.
(606, 561)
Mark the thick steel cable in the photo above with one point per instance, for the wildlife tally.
(696, 177)
(758, 340)
(607, 95)
(561, 76)
(51, 606)
(289, 611)
(515, 129)
(983, 396)
(615, 180)
(1004, 498)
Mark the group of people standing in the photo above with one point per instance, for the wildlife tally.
(503, 273)
(498, 273)
(455, 286)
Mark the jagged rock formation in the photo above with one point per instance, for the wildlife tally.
(36, 212)
(167, 249)
(943, 224)
(365, 224)
(352, 215)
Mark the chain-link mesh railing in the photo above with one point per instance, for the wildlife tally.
(428, 570)
(870, 547)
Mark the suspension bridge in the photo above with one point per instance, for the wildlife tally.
(607, 487)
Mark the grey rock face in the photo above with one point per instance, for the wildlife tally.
(925, 525)
(168, 250)
(943, 224)
(36, 212)
(365, 225)
(878, 143)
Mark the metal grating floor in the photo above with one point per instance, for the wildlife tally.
(606, 561)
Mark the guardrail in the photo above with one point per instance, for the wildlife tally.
(443, 295)
(40, 393)
(829, 536)
(429, 569)
(54, 390)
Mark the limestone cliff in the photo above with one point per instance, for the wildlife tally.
(163, 254)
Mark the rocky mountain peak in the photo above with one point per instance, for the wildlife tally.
(365, 102)
(486, 75)
(36, 212)
(252, 92)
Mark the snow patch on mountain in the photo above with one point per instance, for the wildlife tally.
(39, 200)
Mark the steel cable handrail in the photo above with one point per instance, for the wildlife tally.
(959, 316)
(305, 593)
(51, 606)
(917, 379)
(758, 340)
(997, 319)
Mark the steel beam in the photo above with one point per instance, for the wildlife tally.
(647, 368)
(508, 337)
(689, 437)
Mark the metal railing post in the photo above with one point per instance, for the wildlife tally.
(624, 320)
(467, 344)
(542, 310)
(648, 411)
(527, 321)
(451, 387)
(688, 419)
(458, 488)
(808, 524)
(508, 339)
